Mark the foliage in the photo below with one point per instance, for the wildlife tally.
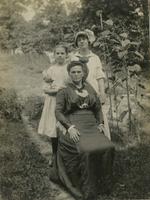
(49, 26)
(33, 106)
(11, 23)
(121, 28)
(10, 108)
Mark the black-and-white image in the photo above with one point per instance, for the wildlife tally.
(74, 100)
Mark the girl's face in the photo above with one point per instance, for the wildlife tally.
(76, 74)
(60, 55)
(82, 42)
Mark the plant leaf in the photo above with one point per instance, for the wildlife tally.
(136, 43)
(134, 68)
(109, 22)
(117, 70)
(122, 54)
(124, 35)
(122, 115)
(105, 33)
(139, 55)
(125, 42)
(96, 44)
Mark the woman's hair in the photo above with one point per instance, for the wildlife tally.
(81, 35)
(87, 34)
(61, 46)
(81, 63)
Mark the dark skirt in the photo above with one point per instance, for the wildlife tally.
(80, 165)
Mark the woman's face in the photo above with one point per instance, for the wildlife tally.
(76, 74)
(60, 55)
(82, 42)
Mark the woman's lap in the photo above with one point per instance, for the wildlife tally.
(77, 163)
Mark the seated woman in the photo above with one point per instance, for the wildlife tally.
(82, 149)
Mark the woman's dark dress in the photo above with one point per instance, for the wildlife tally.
(79, 165)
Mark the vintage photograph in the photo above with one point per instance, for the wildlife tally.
(74, 100)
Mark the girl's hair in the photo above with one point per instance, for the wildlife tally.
(81, 63)
(61, 46)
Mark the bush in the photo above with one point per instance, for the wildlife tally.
(10, 107)
(33, 107)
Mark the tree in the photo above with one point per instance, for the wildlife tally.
(11, 22)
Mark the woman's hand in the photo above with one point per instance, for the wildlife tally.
(74, 133)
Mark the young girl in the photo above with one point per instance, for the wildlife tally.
(55, 78)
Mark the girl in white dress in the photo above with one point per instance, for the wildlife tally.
(96, 76)
(55, 78)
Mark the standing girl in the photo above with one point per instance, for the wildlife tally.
(96, 76)
(55, 78)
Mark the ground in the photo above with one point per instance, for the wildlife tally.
(24, 155)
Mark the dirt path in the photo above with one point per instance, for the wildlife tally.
(45, 150)
(25, 77)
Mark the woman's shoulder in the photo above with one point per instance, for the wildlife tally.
(89, 87)
(94, 55)
(64, 92)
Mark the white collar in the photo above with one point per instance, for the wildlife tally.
(88, 56)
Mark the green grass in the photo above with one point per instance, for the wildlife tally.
(23, 73)
(132, 173)
(24, 173)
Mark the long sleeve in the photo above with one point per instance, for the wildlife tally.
(60, 108)
(98, 111)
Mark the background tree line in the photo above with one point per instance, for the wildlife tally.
(51, 22)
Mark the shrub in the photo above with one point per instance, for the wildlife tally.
(33, 107)
(10, 107)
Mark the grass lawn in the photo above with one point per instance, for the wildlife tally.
(24, 172)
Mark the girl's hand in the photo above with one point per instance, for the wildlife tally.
(74, 134)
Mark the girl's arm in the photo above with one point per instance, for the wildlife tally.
(49, 90)
(101, 87)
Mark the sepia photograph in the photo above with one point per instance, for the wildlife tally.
(74, 99)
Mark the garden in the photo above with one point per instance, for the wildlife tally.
(121, 30)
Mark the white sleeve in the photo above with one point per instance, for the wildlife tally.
(99, 71)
